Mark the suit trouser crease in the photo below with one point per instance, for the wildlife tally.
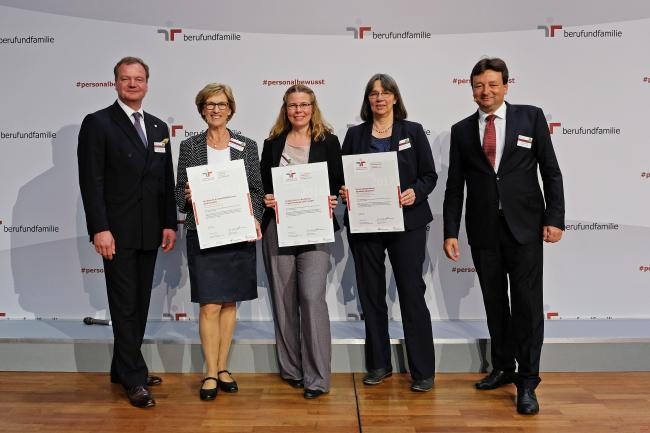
(515, 322)
(298, 280)
(129, 277)
(406, 251)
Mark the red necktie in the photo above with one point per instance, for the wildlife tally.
(490, 140)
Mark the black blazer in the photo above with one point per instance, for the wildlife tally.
(515, 184)
(125, 187)
(416, 167)
(193, 152)
(326, 150)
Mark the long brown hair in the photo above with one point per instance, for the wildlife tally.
(318, 127)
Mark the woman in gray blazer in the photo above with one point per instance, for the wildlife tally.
(224, 275)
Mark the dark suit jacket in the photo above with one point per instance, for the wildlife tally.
(326, 150)
(125, 187)
(416, 166)
(515, 184)
(194, 152)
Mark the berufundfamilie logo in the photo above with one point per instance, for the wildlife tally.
(555, 30)
(178, 130)
(558, 128)
(173, 35)
(366, 32)
(29, 135)
(26, 40)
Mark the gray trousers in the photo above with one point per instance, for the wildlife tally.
(298, 277)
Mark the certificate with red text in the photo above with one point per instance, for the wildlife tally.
(302, 211)
(221, 202)
(372, 180)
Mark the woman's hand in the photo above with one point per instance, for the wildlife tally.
(188, 192)
(343, 192)
(408, 197)
(333, 202)
(258, 231)
(269, 201)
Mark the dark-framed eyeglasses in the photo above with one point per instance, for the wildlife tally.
(303, 106)
(216, 105)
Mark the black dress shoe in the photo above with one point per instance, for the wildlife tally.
(527, 401)
(227, 386)
(495, 379)
(139, 396)
(295, 383)
(312, 393)
(154, 380)
(422, 385)
(210, 393)
(377, 376)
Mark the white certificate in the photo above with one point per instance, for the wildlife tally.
(222, 204)
(372, 180)
(302, 210)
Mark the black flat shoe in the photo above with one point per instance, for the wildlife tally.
(495, 379)
(295, 383)
(154, 380)
(208, 394)
(310, 394)
(227, 386)
(377, 376)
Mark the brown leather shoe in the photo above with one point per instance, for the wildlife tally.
(139, 396)
(154, 380)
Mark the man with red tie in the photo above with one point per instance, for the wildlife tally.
(496, 153)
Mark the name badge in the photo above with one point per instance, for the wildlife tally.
(284, 160)
(404, 146)
(159, 146)
(523, 141)
(236, 144)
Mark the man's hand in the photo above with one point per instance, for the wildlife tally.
(408, 197)
(104, 244)
(168, 240)
(451, 249)
(552, 234)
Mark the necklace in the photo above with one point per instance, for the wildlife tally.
(382, 131)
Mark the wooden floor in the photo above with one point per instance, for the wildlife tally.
(86, 402)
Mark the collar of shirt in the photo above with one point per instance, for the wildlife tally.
(129, 111)
(500, 113)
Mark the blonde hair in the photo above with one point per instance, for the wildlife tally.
(318, 127)
(213, 89)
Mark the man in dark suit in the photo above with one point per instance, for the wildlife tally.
(496, 153)
(126, 177)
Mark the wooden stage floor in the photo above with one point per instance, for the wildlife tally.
(86, 402)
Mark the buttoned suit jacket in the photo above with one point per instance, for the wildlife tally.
(126, 188)
(515, 185)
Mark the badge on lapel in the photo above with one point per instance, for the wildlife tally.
(523, 141)
(404, 144)
(236, 144)
(159, 146)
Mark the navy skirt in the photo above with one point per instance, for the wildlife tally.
(221, 274)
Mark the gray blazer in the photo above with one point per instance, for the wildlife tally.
(193, 152)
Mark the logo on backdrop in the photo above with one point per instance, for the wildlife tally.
(173, 35)
(34, 228)
(293, 82)
(556, 30)
(591, 226)
(462, 81)
(95, 84)
(557, 129)
(26, 40)
(366, 32)
(178, 130)
(4, 135)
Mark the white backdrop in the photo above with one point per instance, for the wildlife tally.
(56, 66)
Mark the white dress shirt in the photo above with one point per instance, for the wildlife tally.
(499, 126)
(129, 112)
(218, 156)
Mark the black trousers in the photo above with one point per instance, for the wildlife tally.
(516, 323)
(406, 252)
(128, 283)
